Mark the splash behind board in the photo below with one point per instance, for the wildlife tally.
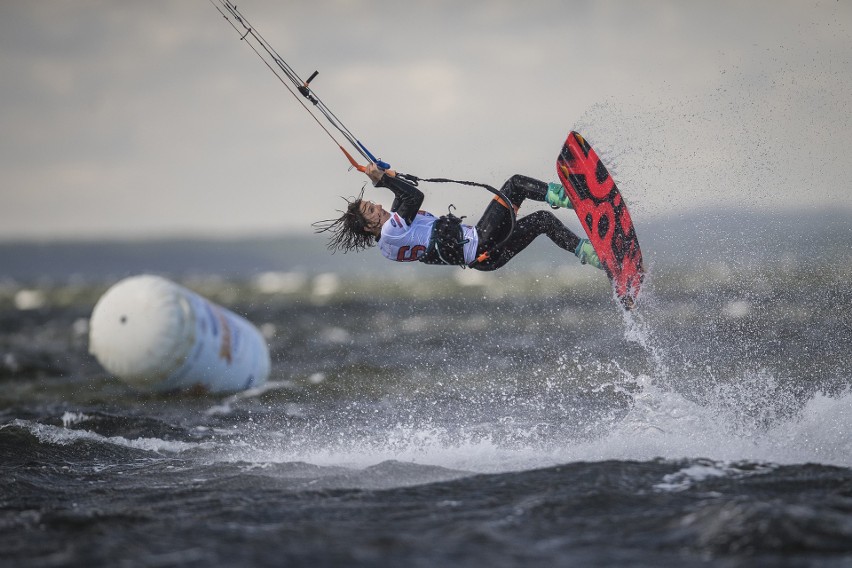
(603, 214)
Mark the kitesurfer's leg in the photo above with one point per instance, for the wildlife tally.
(519, 187)
(495, 223)
(526, 230)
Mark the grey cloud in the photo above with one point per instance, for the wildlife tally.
(141, 118)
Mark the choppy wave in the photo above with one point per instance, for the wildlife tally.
(658, 425)
(63, 436)
(516, 414)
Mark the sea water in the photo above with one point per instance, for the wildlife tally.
(448, 419)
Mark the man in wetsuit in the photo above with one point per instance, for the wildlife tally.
(405, 233)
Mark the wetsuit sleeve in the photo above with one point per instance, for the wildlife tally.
(407, 198)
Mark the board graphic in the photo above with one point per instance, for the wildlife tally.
(603, 214)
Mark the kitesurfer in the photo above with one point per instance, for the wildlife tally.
(405, 233)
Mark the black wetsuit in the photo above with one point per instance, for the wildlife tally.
(495, 222)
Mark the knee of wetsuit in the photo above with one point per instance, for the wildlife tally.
(519, 187)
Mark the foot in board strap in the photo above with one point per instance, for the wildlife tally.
(556, 196)
(587, 255)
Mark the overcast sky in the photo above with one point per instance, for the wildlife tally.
(151, 119)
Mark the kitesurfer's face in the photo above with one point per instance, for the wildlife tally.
(375, 216)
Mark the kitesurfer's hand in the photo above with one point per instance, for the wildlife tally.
(375, 173)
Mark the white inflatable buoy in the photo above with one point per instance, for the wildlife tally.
(156, 335)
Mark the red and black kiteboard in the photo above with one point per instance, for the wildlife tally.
(603, 214)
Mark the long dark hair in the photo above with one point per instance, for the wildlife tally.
(350, 231)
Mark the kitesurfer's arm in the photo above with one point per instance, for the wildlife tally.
(407, 198)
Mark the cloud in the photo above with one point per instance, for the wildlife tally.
(154, 117)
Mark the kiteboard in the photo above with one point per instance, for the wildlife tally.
(604, 216)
